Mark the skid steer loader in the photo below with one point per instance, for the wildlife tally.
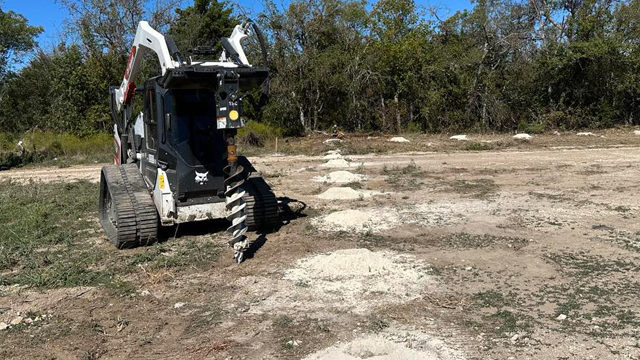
(176, 161)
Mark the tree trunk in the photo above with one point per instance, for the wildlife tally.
(384, 113)
(411, 113)
(315, 117)
(398, 118)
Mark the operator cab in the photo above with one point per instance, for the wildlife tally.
(186, 114)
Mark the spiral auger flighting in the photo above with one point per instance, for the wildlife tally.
(235, 203)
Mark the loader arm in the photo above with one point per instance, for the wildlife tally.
(147, 39)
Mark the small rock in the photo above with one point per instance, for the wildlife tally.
(515, 338)
(178, 305)
(468, 268)
(145, 293)
(3, 326)
(556, 132)
(331, 141)
(28, 321)
(585, 134)
(293, 343)
(16, 320)
(459, 137)
(561, 317)
(637, 132)
(399, 139)
(523, 136)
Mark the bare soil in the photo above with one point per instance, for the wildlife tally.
(528, 251)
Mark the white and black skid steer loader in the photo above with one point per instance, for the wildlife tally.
(176, 161)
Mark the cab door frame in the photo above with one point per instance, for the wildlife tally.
(149, 162)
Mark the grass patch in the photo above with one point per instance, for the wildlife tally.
(480, 188)
(507, 322)
(48, 240)
(49, 148)
(166, 255)
(477, 146)
(599, 297)
(404, 178)
(41, 240)
(354, 185)
(376, 324)
(206, 316)
(584, 264)
(623, 238)
(472, 241)
(490, 298)
(283, 321)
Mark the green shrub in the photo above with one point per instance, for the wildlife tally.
(40, 146)
(555, 119)
(531, 128)
(256, 133)
(69, 144)
(7, 142)
(477, 146)
(264, 131)
(414, 128)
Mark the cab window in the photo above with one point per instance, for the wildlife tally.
(150, 119)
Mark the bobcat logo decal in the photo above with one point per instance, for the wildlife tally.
(201, 178)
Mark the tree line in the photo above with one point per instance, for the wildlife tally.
(388, 65)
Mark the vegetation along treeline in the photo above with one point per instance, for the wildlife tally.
(388, 65)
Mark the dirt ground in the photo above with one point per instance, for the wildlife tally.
(526, 251)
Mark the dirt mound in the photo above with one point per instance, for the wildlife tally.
(380, 219)
(358, 220)
(399, 139)
(340, 177)
(460, 137)
(523, 137)
(358, 278)
(347, 193)
(390, 345)
(332, 156)
(356, 281)
(338, 163)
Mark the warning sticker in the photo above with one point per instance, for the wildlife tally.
(222, 123)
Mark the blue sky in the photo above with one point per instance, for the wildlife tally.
(51, 14)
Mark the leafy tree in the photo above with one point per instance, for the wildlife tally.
(202, 24)
(16, 38)
(110, 25)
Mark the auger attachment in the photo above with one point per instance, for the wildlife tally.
(235, 203)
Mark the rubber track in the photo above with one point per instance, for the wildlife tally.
(136, 214)
(262, 204)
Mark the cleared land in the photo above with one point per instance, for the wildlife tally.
(523, 250)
